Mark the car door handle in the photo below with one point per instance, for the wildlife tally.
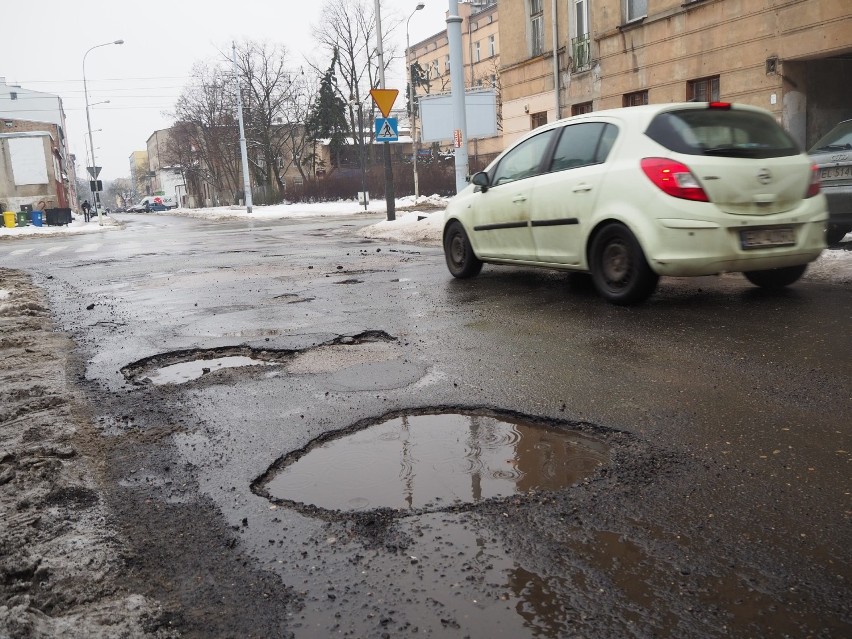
(519, 198)
(582, 187)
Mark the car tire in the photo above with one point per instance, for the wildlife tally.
(776, 277)
(836, 232)
(619, 269)
(461, 260)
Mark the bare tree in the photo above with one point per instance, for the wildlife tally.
(267, 78)
(349, 27)
(208, 143)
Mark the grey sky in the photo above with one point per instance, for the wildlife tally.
(44, 45)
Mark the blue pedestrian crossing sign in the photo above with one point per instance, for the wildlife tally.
(387, 130)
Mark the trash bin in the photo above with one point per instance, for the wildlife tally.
(37, 218)
(8, 219)
(23, 218)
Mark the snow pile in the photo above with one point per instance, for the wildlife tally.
(414, 227)
(77, 226)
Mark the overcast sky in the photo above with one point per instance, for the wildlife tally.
(44, 42)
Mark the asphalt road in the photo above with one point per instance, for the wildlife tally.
(723, 510)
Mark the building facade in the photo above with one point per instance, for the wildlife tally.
(428, 62)
(139, 180)
(46, 111)
(565, 57)
(32, 176)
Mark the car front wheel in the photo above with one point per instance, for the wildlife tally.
(776, 277)
(461, 261)
(619, 269)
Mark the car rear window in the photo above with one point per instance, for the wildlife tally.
(724, 133)
(838, 139)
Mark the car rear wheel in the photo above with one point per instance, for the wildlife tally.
(836, 232)
(776, 277)
(461, 260)
(619, 269)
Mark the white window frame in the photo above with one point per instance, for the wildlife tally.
(536, 18)
(477, 51)
(635, 10)
(580, 12)
(492, 45)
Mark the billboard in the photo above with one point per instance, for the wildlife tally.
(436, 115)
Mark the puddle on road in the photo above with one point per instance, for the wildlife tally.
(186, 371)
(433, 461)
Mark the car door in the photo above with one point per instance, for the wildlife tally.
(565, 195)
(501, 212)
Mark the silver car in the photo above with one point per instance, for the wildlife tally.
(833, 155)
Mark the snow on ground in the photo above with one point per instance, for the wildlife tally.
(410, 226)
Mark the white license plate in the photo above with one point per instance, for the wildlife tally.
(762, 238)
(836, 172)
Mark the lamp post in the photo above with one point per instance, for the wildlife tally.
(89, 122)
(420, 5)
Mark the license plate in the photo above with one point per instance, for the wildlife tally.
(836, 172)
(762, 238)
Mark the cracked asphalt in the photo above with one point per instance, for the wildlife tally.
(131, 508)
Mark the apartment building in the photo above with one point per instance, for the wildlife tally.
(564, 57)
(481, 59)
(19, 105)
(139, 180)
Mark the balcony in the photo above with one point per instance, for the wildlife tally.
(581, 53)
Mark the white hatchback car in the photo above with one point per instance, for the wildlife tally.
(635, 193)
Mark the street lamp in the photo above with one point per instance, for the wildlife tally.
(89, 120)
(420, 5)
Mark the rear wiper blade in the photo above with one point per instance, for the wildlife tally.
(731, 151)
(835, 147)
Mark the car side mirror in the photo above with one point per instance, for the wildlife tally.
(481, 180)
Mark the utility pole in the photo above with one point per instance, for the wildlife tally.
(246, 179)
(457, 85)
(390, 200)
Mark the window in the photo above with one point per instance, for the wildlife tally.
(477, 56)
(536, 27)
(703, 90)
(635, 99)
(538, 119)
(492, 46)
(580, 109)
(446, 64)
(13, 95)
(581, 59)
(721, 132)
(494, 80)
(578, 146)
(524, 160)
(581, 18)
(635, 9)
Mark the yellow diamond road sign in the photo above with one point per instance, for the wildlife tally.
(384, 99)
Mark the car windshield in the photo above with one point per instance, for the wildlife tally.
(838, 139)
(721, 132)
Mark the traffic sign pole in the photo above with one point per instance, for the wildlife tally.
(390, 200)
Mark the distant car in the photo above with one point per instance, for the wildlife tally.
(153, 203)
(833, 155)
(631, 194)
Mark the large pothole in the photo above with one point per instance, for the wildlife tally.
(429, 461)
(341, 353)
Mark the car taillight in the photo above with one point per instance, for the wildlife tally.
(725, 106)
(813, 187)
(674, 178)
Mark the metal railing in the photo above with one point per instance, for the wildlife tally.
(581, 53)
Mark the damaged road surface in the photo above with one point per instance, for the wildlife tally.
(203, 434)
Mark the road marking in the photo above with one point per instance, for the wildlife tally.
(89, 248)
(52, 249)
(21, 251)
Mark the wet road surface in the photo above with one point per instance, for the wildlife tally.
(721, 508)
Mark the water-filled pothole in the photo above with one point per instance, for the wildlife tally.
(432, 461)
(186, 371)
(178, 367)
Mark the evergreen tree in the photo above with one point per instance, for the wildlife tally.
(327, 116)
